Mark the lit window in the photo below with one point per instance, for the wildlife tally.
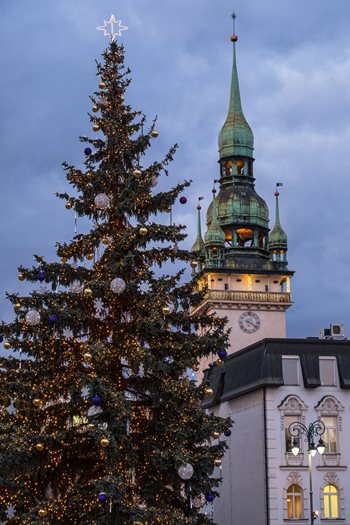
(288, 439)
(330, 434)
(327, 371)
(330, 501)
(290, 369)
(294, 502)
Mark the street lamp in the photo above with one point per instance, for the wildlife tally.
(311, 432)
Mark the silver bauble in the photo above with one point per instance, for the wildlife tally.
(33, 317)
(118, 285)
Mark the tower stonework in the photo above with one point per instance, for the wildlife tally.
(241, 263)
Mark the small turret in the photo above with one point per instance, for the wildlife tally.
(214, 238)
(278, 238)
(198, 246)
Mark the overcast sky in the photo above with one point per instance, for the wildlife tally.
(294, 69)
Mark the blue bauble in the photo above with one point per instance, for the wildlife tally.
(222, 354)
(96, 400)
(210, 497)
(1, 338)
(102, 497)
(87, 151)
(52, 319)
(41, 276)
(227, 433)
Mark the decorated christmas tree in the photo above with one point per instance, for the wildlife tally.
(100, 419)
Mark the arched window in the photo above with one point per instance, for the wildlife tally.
(331, 502)
(294, 502)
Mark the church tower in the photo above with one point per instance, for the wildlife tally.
(243, 266)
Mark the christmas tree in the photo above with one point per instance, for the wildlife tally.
(101, 422)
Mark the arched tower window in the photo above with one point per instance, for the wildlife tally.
(240, 166)
(228, 168)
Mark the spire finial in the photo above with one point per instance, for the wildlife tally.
(198, 246)
(278, 184)
(234, 37)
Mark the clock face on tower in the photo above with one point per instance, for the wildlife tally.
(249, 322)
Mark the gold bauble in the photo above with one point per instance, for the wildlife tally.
(90, 426)
(215, 435)
(17, 307)
(234, 38)
(64, 259)
(219, 362)
(168, 209)
(39, 447)
(143, 230)
(89, 256)
(42, 512)
(37, 402)
(95, 109)
(208, 392)
(7, 346)
(102, 85)
(87, 357)
(96, 127)
(217, 462)
(21, 277)
(88, 292)
(69, 205)
(137, 173)
(104, 442)
(166, 310)
(105, 241)
(195, 367)
(154, 133)
(90, 175)
(194, 264)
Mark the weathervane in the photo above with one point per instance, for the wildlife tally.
(112, 22)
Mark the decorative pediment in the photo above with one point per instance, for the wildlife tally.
(292, 405)
(295, 478)
(329, 406)
(331, 478)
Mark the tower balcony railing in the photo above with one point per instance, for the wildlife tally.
(249, 297)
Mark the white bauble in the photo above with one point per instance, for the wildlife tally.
(102, 201)
(118, 285)
(33, 317)
(154, 181)
(186, 471)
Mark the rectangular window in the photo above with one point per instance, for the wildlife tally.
(330, 434)
(327, 371)
(288, 439)
(290, 369)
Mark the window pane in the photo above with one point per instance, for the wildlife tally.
(290, 371)
(326, 507)
(330, 435)
(288, 420)
(327, 372)
(334, 506)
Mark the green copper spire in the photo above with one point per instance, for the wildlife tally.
(198, 246)
(278, 237)
(236, 137)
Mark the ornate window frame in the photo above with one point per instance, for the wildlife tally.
(330, 406)
(295, 478)
(292, 405)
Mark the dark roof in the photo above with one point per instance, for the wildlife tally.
(260, 365)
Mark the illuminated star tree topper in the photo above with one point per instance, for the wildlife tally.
(112, 28)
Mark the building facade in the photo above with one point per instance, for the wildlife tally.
(265, 388)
